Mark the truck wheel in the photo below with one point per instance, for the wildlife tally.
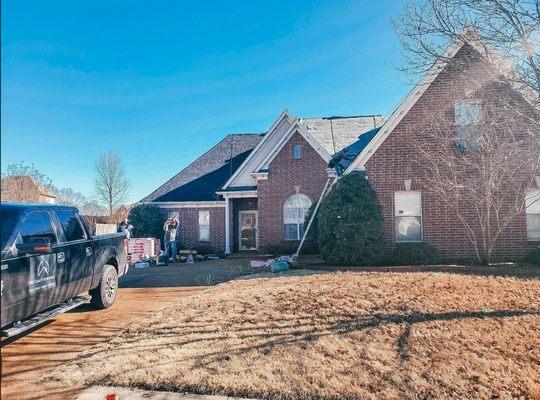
(104, 294)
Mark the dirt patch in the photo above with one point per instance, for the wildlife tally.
(339, 335)
(142, 292)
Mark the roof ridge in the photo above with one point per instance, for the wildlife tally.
(246, 133)
(345, 117)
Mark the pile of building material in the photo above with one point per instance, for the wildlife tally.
(190, 256)
(278, 264)
(142, 249)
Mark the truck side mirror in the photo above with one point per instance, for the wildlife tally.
(38, 246)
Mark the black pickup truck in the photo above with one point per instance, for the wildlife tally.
(48, 259)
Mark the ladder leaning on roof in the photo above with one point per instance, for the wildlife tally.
(327, 187)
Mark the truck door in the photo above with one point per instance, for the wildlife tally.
(78, 254)
(30, 277)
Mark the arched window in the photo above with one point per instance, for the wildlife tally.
(294, 213)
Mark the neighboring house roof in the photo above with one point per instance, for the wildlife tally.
(203, 177)
(420, 88)
(15, 186)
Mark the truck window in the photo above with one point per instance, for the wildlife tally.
(8, 219)
(37, 225)
(71, 225)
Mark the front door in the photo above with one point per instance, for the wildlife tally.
(249, 237)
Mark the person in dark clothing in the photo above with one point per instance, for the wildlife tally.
(171, 232)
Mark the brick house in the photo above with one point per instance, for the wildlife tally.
(251, 191)
(391, 160)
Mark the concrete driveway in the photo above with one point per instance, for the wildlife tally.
(142, 292)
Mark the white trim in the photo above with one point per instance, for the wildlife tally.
(259, 175)
(238, 194)
(256, 212)
(404, 107)
(331, 172)
(186, 204)
(295, 127)
(284, 114)
(421, 216)
(227, 226)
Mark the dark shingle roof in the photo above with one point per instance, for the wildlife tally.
(203, 177)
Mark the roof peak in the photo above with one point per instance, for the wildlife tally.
(245, 134)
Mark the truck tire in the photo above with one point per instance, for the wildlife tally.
(104, 294)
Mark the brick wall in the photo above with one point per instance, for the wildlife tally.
(397, 159)
(189, 229)
(309, 173)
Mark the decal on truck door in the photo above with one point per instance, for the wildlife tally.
(42, 274)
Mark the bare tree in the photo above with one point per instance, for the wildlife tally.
(481, 160)
(484, 169)
(93, 212)
(112, 186)
(91, 209)
(69, 197)
(509, 27)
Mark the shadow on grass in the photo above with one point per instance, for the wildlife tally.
(299, 331)
(522, 272)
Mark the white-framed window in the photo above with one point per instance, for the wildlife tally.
(204, 226)
(294, 213)
(408, 213)
(532, 202)
(467, 120)
(297, 152)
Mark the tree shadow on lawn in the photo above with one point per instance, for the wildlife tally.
(521, 272)
(297, 332)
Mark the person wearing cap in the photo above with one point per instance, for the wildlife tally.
(171, 232)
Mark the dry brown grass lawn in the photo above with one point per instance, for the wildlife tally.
(330, 336)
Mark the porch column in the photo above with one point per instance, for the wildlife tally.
(227, 226)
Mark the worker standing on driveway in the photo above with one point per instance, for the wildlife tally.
(171, 232)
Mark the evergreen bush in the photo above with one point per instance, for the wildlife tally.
(147, 221)
(350, 223)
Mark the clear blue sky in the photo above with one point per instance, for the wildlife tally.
(161, 81)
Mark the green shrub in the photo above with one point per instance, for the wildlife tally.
(533, 257)
(350, 223)
(414, 254)
(147, 221)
